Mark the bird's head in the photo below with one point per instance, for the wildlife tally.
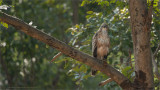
(104, 26)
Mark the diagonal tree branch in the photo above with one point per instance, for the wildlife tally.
(105, 82)
(56, 56)
(66, 49)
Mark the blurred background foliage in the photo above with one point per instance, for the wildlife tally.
(25, 61)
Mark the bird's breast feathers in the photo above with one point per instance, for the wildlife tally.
(103, 43)
(103, 39)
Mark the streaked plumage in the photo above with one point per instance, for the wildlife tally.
(100, 44)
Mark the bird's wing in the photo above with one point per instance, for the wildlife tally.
(94, 45)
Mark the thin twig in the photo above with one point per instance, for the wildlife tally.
(56, 56)
(150, 9)
(157, 49)
(126, 62)
(130, 61)
(105, 82)
(154, 62)
(59, 54)
(149, 17)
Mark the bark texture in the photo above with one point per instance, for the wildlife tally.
(141, 18)
(66, 49)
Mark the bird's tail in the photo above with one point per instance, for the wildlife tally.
(94, 72)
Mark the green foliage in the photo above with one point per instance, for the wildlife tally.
(26, 60)
(128, 72)
(5, 8)
(155, 3)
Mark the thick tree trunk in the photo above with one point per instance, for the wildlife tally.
(141, 24)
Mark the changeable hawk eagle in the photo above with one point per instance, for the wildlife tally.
(100, 44)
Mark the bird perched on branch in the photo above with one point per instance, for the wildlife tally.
(100, 44)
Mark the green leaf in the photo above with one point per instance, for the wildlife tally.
(107, 3)
(86, 76)
(4, 24)
(125, 70)
(77, 26)
(1, 2)
(155, 4)
(83, 3)
(83, 68)
(72, 33)
(62, 60)
(112, 1)
(90, 12)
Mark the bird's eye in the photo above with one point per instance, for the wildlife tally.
(104, 26)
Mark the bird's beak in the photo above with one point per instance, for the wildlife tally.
(104, 28)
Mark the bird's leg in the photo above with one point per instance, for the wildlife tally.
(105, 56)
(104, 61)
